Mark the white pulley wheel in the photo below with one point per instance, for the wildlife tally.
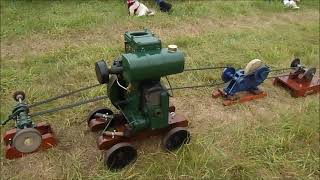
(252, 66)
(27, 140)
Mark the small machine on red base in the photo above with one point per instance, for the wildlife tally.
(135, 89)
(243, 84)
(26, 137)
(300, 81)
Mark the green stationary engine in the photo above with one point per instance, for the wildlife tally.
(134, 86)
(135, 89)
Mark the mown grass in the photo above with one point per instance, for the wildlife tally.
(49, 47)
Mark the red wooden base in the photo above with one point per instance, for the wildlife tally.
(48, 141)
(298, 88)
(239, 98)
(106, 141)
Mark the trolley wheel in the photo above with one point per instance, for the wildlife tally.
(19, 95)
(27, 140)
(175, 138)
(101, 110)
(120, 155)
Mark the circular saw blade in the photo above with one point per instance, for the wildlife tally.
(252, 66)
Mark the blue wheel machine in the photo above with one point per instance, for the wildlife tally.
(242, 85)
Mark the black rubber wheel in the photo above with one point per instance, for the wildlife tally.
(19, 95)
(175, 138)
(101, 110)
(27, 140)
(295, 62)
(102, 71)
(119, 156)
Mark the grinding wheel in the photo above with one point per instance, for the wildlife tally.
(252, 66)
(308, 75)
(27, 140)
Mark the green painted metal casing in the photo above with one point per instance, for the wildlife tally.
(152, 64)
(146, 102)
(20, 114)
(146, 59)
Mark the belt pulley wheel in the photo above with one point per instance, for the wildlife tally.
(102, 71)
(252, 66)
(295, 62)
(227, 74)
(120, 155)
(27, 140)
(308, 75)
(175, 138)
(19, 95)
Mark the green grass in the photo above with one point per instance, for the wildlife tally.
(49, 47)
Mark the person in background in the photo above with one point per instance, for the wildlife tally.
(164, 6)
(139, 9)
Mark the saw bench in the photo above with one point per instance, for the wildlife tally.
(243, 84)
(300, 81)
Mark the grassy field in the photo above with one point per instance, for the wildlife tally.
(49, 47)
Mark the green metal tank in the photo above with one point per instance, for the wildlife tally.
(152, 65)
